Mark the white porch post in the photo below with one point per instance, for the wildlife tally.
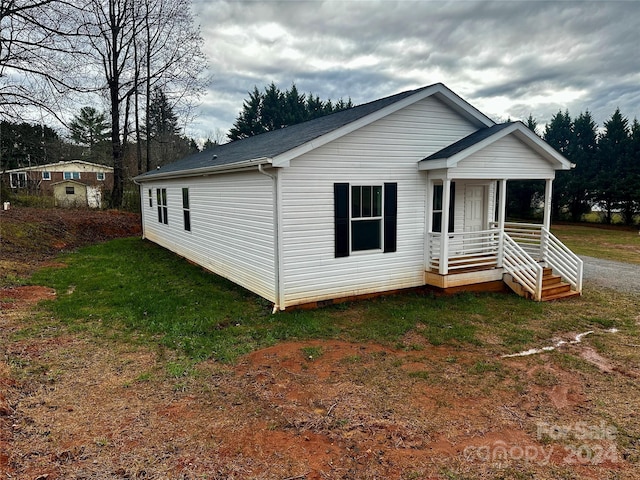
(502, 213)
(502, 205)
(428, 224)
(444, 230)
(547, 203)
(546, 222)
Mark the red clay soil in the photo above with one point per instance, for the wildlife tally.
(33, 236)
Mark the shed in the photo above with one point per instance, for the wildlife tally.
(355, 203)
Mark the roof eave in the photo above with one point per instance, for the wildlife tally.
(203, 171)
(542, 147)
(38, 168)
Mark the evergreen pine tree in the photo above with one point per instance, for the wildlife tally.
(581, 152)
(90, 129)
(559, 133)
(249, 121)
(611, 189)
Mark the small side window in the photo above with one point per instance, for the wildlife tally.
(186, 210)
(161, 197)
(46, 175)
(150, 198)
(70, 190)
(100, 176)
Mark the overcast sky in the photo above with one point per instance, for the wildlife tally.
(507, 58)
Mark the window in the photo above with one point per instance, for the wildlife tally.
(18, 180)
(100, 176)
(161, 197)
(46, 175)
(365, 218)
(150, 199)
(436, 224)
(70, 190)
(72, 175)
(185, 209)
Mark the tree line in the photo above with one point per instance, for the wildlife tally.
(606, 175)
(273, 109)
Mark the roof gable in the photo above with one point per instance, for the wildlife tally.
(450, 156)
(278, 147)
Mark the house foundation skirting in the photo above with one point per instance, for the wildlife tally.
(452, 280)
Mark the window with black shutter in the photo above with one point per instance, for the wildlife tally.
(365, 218)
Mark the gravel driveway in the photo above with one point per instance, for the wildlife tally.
(620, 276)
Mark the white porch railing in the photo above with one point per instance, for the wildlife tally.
(521, 266)
(466, 250)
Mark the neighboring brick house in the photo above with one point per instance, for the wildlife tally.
(72, 183)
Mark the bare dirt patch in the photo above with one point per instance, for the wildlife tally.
(31, 237)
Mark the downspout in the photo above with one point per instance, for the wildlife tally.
(276, 238)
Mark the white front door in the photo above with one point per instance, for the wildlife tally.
(474, 211)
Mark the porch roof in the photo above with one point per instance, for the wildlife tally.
(450, 156)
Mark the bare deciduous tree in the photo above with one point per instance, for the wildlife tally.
(137, 46)
(36, 56)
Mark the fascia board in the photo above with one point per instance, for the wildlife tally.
(542, 147)
(204, 171)
(51, 167)
(432, 164)
(463, 107)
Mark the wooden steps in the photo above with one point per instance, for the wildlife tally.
(553, 288)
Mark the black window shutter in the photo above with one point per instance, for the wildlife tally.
(341, 218)
(390, 216)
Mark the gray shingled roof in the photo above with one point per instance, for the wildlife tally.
(271, 144)
(467, 142)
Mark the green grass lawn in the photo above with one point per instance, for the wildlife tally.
(600, 241)
(135, 290)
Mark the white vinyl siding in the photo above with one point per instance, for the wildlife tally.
(231, 218)
(506, 158)
(386, 151)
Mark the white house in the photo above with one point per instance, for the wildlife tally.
(355, 203)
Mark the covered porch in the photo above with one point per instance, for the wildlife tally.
(468, 240)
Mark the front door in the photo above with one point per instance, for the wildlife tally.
(474, 211)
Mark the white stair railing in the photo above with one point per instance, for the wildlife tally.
(562, 260)
(522, 266)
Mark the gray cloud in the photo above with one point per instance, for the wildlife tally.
(508, 58)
